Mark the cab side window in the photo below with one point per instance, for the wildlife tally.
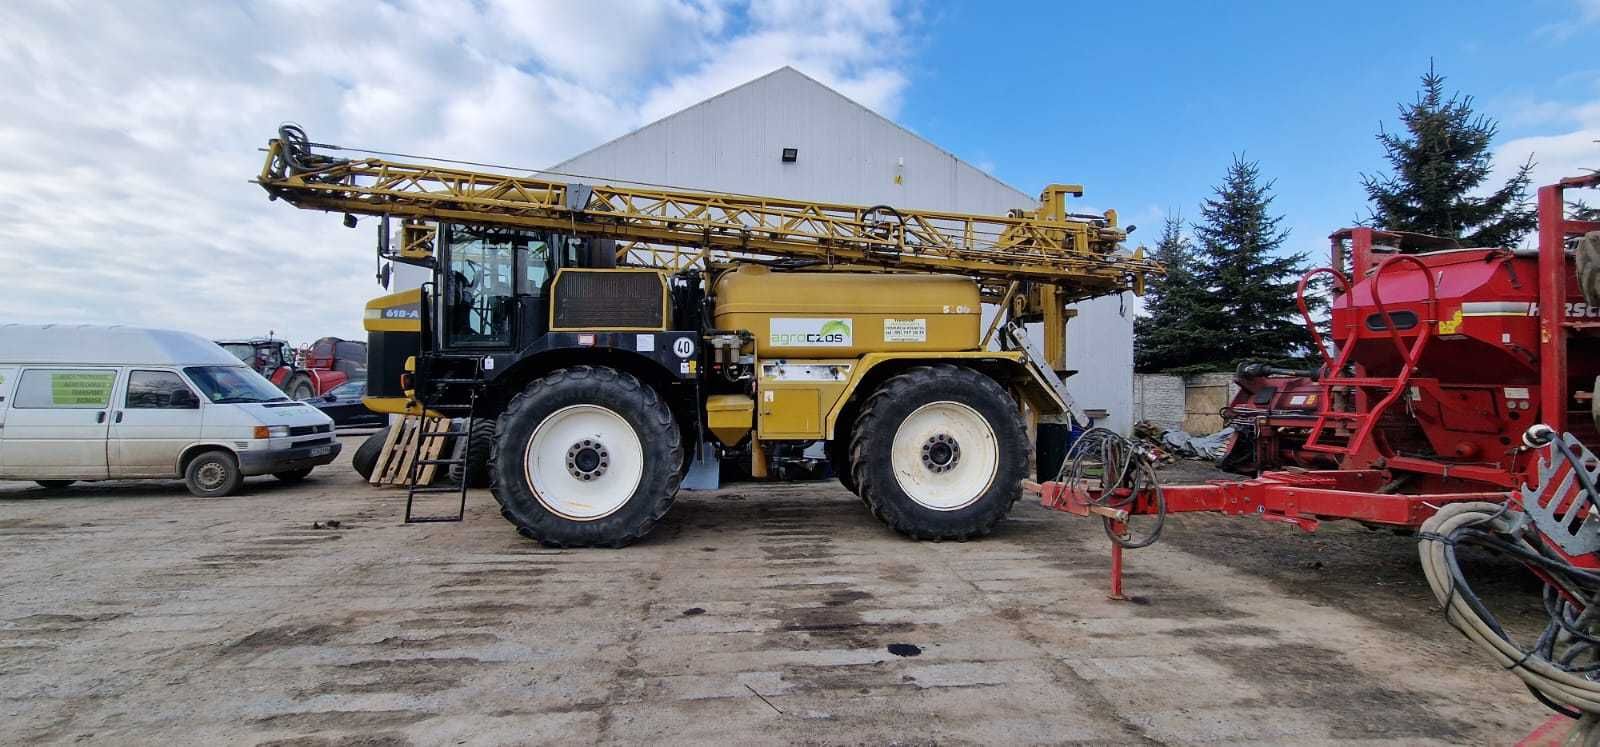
(64, 389)
(159, 390)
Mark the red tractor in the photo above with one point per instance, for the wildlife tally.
(317, 370)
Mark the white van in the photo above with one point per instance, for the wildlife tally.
(81, 402)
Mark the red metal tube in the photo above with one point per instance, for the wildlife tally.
(1552, 307)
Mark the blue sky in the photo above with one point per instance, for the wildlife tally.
(1146, 103)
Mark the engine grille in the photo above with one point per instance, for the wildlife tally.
(613, 299)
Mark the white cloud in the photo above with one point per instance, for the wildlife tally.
(1586, 14)
(132, 129)
(1570, 146)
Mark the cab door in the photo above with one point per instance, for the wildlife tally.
(157, 416)
(57, 423)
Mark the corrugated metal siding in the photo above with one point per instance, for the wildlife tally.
(733, 143)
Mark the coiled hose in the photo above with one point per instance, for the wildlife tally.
(1559, 666)
(296, 154)
(1117, 471)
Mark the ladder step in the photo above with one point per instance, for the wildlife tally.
(443, 518)
(455, 380)
(420, 489)
(441, 461)
(1325, 448)
(444, 433)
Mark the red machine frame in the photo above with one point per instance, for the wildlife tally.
(1304, 498)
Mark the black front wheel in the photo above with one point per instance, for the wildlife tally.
(586, 456)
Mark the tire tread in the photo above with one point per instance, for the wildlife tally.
(593, 377)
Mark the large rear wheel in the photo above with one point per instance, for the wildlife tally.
(586, 456)
(299, 388)
(838, 453)
(940, 452)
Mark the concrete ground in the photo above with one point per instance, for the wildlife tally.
(134, 613)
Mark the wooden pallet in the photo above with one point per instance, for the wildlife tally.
(400, 450)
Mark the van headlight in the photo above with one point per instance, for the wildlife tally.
(272, 431)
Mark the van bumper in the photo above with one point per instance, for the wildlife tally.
(266, 462)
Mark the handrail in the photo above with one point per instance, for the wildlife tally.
(1408, 358)
(1305, 310)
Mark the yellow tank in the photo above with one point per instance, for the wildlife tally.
(846, 314)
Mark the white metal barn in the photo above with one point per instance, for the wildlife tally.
(844, 152)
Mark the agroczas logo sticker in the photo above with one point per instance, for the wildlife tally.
(826, 333)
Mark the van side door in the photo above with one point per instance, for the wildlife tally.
(8, 382)
(57, 423)
(157, 417)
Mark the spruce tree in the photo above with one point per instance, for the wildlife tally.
(1438, 164)
(1169, 336)
(1250, 312)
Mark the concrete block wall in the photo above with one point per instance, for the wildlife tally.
(1188, 403)
(1159, 398)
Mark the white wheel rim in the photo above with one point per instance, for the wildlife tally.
(579, 441)
(944, 456)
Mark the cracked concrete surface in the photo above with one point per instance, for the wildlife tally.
(132, 612)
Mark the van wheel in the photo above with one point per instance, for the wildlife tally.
(586, 456)
(54, 484)
(292, 476)
(213, 474)
(940, 452)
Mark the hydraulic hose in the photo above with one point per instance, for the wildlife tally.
(1567, 639)
(1124, 472)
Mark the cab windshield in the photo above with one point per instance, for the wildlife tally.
(232, 385)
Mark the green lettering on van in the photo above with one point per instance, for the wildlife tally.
(80, 389)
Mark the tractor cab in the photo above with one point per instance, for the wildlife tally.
(494, 297)
(491, 284)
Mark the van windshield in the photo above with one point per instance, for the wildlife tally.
(231, 385)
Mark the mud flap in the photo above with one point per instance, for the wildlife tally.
(705, 471)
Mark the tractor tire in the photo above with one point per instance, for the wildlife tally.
(1588, 252)
(366, 456)
(838, 453)
(479, 447)
(213, 474)
(940, 453)
(299, 388)
(587, 456)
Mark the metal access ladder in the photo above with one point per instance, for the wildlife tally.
(454, 467)
(1358, 419)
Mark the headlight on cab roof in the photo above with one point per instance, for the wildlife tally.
(274, 431)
